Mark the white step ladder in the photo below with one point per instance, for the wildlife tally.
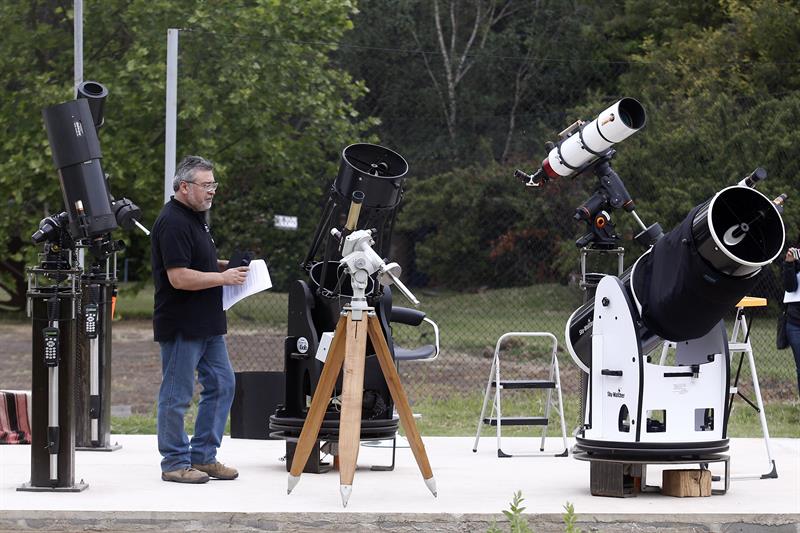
(552, 383)
(743, 347)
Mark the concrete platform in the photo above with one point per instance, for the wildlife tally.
(126, 493)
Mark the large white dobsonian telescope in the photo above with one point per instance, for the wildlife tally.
(679, 290)
(640, 400)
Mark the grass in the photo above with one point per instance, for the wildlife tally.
(471, 322)
(266, 308)
(145, 424)
(457, 416)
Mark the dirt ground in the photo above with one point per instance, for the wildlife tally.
(136, 364)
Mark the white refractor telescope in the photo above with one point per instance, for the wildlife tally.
(581, 144)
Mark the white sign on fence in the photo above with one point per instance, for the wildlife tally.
(285, 222)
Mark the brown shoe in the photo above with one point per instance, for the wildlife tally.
(218, 470)
(185, 475)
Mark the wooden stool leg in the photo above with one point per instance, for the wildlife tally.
(319, 403)
(352, 394)
(401, 401)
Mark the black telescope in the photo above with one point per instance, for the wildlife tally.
(76, 154)
(375, 171)
(695, 273)
(364, 195)
(376, 175)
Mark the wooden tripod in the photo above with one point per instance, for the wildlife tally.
(349, 349)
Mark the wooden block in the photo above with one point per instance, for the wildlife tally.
(683, 483)
(618, 480)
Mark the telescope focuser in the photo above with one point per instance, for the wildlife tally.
(753, 178)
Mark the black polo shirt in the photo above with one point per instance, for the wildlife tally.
(181, 238)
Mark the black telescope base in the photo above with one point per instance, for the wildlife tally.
(370, 429)
(289, 428)
(659, 451)
(77, 487)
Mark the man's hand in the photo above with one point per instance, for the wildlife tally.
(235, 276)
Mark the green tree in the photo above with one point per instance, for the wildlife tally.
(256, 95)
(721, 100)
(459, 83)
(477, 227)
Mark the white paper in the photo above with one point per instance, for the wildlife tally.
(257, 280)
(324, 345)
(791, 297)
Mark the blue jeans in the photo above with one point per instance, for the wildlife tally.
(180, 358)
(793, 334)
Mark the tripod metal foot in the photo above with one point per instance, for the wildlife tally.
(431, 483)
(346, 491)
(293, 481)
(772, 474)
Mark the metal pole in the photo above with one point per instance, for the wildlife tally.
(78, 44)
(172, 111)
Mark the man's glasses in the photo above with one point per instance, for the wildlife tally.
(209, 187)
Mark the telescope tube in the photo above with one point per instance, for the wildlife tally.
(615, 124)
(76, 154)
(698, 271)
(376, 171)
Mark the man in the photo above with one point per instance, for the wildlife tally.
(791, 267)
(189, 324)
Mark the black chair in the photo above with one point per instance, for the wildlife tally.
(426, 352)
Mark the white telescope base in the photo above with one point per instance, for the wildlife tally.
(640, 408)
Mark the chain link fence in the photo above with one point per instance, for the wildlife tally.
(483, 254)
